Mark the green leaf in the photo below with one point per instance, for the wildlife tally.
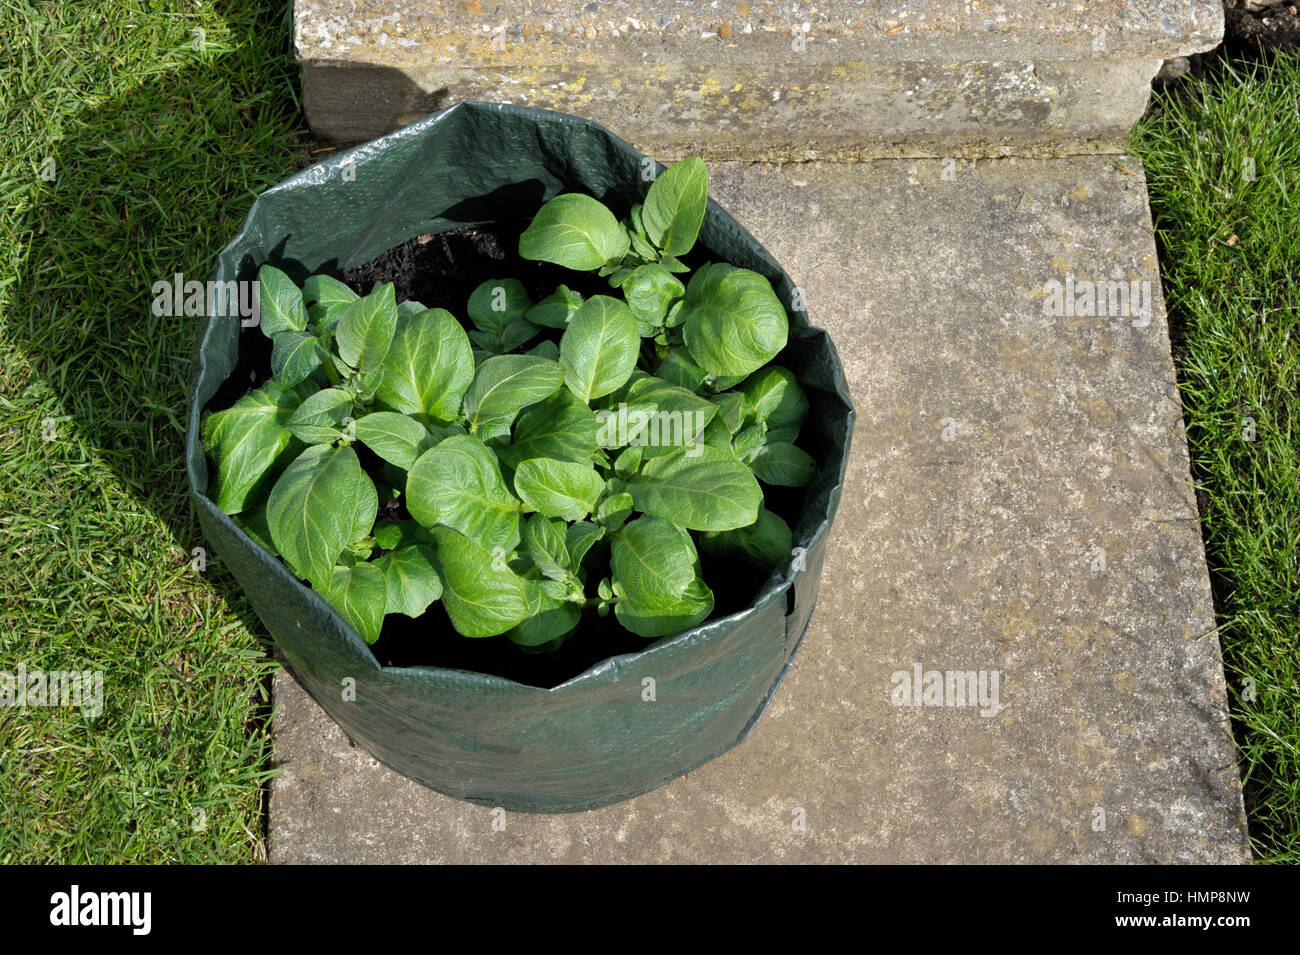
(517, 333)
(578, 540)
(629, 462)
(783, 464)
(704, 490)
(635, 220)
(366, 328)
(735, 410)
(556, 309)
(642, 247)
(506, 384)
(317, 507)
(657, 416)
(279, 302)
(675, 316)
(497, 308)
(778, 401)
(734, 323)
(562, 427)
(630, 426)
(363, 519)
(649, 291)
(388, 534)
(655, 569)
(720, 383)
(327, 291)
(545, 349)
(440, 431)
(548, 618)
(497, 301)
(428, 367)
(562, 589)
(717, 436)
(410, 307)
(614, 510)
(544, 541)
(599, 348)
(618, 274)
(357, 551)
(411, 580)
(749, 442)
(675, 205)
(322, 320)
(253, 523)
(766, 543)
(247, 441)
(667, 397)
(678, 369)
(295, 355)
(483, 596)
(396, 438)
(666, 617)
(652, 557)
(558, 488)
(575, 231)
(394, 535)
(359, 594)
(319, 419)
(459, 485)
(611, 401)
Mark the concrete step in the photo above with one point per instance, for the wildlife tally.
(753, 80)
(1018, 505)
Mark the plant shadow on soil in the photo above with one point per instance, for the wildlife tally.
(441, 271)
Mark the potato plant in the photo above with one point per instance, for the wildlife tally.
(543, 458)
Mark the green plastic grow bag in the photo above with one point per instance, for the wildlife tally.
(592, 740)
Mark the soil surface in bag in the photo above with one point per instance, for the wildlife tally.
(441, 271)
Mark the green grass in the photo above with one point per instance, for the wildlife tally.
(158, 149)
(1223, 165)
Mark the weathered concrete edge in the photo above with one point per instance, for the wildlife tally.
(398, 34)
(856, 111)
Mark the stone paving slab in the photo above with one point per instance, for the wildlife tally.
(402, 32)
(778, 111)
(756, 80)
(1018, 505)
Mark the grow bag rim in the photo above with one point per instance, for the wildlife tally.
(779, 582)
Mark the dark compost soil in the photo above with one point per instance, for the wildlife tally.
(1247, 32)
